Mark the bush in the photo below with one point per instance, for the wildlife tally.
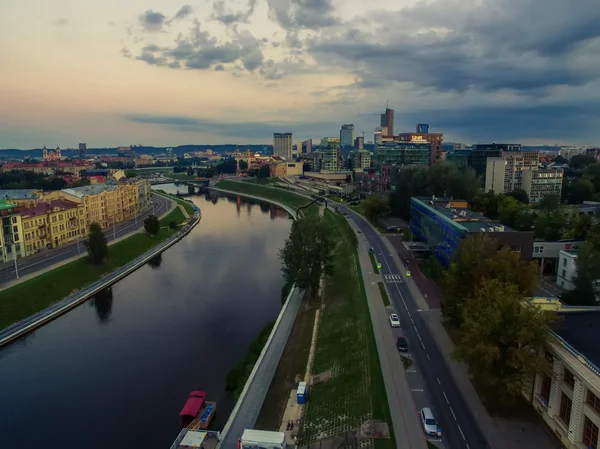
(173, 224)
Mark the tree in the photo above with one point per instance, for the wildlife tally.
(509, 209)
(520, 195)
(588, 271)
(243, 165)
(476, 258)
(410, 182)
(375, 206)
(580, 190)
(130, 173)
(501, 337)
(152, 225)
(96, 244)
(549, 203)
(227, 166)
(173, 224)
(560, 160)
(592, 173)
(307, 253)
(190, 171)
(264, 171)
(579, 226)
(487, 203)
(581, 161)
(550, 225)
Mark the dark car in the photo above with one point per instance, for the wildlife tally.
(371, 251)
(401, 344)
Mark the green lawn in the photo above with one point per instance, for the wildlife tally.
(374, 263)
(182, 176)
(280, 195)
(346, 346)
(27, 298)
(176, 215)
(384, 294)
(187, 205)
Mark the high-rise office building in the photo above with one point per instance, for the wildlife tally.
(423, 128)
(307, 146)
(434, 139)
(282, 145)
(387, 122)
(505, 173)
(481, 152)
(347, 136)
(82, 150)
(330, 147)
(359, 143)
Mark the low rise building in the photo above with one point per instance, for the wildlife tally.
(361, 159)
(541, 182)
(443, 224)
(547, 254)
(11, 231)
(22, 197)
(282, 169)
(567, 269)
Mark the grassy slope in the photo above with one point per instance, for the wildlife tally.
(281, 196)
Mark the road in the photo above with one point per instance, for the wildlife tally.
(459, 428)
(40, 261)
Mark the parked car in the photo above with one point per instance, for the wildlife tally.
(394, 320)
(371, 251)
(428, 422)
(401, 344)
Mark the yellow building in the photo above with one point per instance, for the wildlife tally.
(11, 232)
(53, 223)
(283, 169)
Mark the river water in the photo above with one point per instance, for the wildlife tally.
(115, 371)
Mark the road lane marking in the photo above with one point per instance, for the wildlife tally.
(410, 315)
(438, 379)
(413, 322)
(418, 335)
(446, 397)
(416, 389)
(461, 432)
(428, 358)
(423, 345)
(454, 416)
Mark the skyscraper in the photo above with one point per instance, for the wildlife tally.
(282, 145)
(307, 146)
(347, 136)
(82, 150)
(387, 122)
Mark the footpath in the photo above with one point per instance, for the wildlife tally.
(29, 276)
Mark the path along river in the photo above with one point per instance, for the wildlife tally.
(114, 372)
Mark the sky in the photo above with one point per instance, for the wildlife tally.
(159, 73)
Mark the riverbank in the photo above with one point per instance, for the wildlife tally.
(34, 295)
(355, 392)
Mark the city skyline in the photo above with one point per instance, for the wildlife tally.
(236, 72)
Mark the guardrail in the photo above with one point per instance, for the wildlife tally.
(55, 310)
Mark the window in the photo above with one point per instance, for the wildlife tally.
(564, 273)
(569, 378)
(565, 409)
(590, 434)
(546, 385)
(593, 401)
(564, 262)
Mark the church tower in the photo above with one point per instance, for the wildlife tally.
(58, 152)
(44, 153)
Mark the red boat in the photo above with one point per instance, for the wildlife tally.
(197, 412)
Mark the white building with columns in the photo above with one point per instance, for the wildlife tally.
(568, 398)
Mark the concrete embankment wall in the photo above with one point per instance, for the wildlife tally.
(39, 319)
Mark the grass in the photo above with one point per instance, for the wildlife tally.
(175, 215)
(346, 346)
(187, 205)
(182, 176)
(25, 299)
(374, 263)
(384, 294)
(430, 445)
(263, 181)
(280, 195)
(359, 210)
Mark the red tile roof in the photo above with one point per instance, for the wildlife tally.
(47, 207)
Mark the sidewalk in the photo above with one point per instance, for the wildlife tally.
(83, 253)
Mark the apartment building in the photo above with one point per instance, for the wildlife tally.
(569, 152)
(11, 232)
(361, 159)
(505, 173)
(22, 197)
(53, 223)
(330, 148)
(541, 182)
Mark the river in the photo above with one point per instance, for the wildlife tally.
(115, 371)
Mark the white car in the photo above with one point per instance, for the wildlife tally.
(394, 320)
(428, 422)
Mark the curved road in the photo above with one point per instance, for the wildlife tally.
(459, 429)
(38, 262)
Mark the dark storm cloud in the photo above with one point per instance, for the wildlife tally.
(152, 21)
(201, 51)
(302, 14)
(220, 14)
(524, 45)
(249, 130)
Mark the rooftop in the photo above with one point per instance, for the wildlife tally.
(18, 194)
(45, 208)
(5, 205)
(92, 189)
(581, 331)
(470, 220)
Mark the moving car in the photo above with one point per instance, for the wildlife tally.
(394, 320)
(401, 344)
(371, 251)
(428, 422)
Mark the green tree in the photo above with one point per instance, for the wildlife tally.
(520, 195)
(190, 171)
(592, 173)
(151, 224)
(550, 225)
(264, 171)
(487, 203)
(578, 226)
(509, 209)
(580, 190)
(477, 258)
(501, 337)
(243, 165)
(581, 161)
(549, 203)
(307, 253)
(375, 206)
(588, 271)
(96, 244)
(410, 182)
(130, 173)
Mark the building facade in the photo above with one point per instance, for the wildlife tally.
(347, 136)
(361, 159)
(434, 140)
(459, 157)
(443, 224)
(306, 147)
(332, 160)
(359, 143)
(282, 145)
(567, 269)
(82, 150)
(541, 182)
(569, 152)
(396, 153)
(22, 197)
(505, 173)
(11, 232)
(481, 152)
(387, 122)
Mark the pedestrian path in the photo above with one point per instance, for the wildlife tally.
(393, 279)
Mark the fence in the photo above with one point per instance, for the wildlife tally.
(40, 318)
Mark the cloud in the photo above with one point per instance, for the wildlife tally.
(201, 51)
(234, 130)
(487, 45)
(183, 12)
(302, 14)
(152, 21)
(220, 14)
(61, 22)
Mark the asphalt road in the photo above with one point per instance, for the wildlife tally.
(459, 429)
(40, 261)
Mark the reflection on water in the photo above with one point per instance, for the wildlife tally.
(155, 261)
(115, 373)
